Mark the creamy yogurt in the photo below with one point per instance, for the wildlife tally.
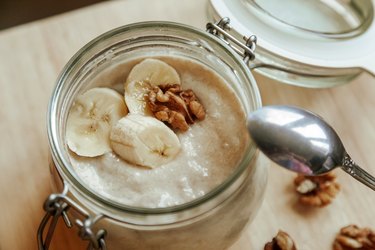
(210, 149)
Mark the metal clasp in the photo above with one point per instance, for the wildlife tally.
(56, 206)
(246, 50)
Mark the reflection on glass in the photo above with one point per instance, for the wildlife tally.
(327, 18)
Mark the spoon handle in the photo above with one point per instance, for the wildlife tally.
(357, 172)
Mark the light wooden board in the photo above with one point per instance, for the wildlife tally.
(32, 55)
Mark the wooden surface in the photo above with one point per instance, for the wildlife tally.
(32, 55)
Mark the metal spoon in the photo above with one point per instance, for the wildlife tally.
(301, 141)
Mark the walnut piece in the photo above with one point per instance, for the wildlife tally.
(282, 241)
(353, 237)
(317, 190)
(177, 107)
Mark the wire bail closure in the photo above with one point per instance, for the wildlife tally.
(220, 28)
(56, 206)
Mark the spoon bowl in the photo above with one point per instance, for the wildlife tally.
(301, 141)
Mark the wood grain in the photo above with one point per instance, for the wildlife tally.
(32, 55)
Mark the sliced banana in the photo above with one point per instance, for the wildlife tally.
(144, 141)
(90, 121)
(149, 72)
(154, 71)
(135, 94)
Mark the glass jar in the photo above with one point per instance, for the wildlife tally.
(213, 221)
(306, 43)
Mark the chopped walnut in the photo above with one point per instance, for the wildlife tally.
(353, 237)
(282, 241)
(197, 110)
(177, 107)
(317, 190)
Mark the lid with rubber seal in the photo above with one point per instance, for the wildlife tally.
(307, 43)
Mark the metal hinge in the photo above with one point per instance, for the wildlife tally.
(246, 50)
(56, 206)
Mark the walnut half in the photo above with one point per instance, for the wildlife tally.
(317, 190)
(177, 107)
(353, 237)
(282, 241)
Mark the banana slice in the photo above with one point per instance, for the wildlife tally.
(149, 72)
(144, 140)
(90, 121)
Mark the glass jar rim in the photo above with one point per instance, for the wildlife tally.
(365, 7)
(61, 162)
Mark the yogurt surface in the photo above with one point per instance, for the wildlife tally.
(210, 150)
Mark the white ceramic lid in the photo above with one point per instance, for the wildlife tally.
(299, 45)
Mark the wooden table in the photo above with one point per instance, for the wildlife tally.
(32, 55)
